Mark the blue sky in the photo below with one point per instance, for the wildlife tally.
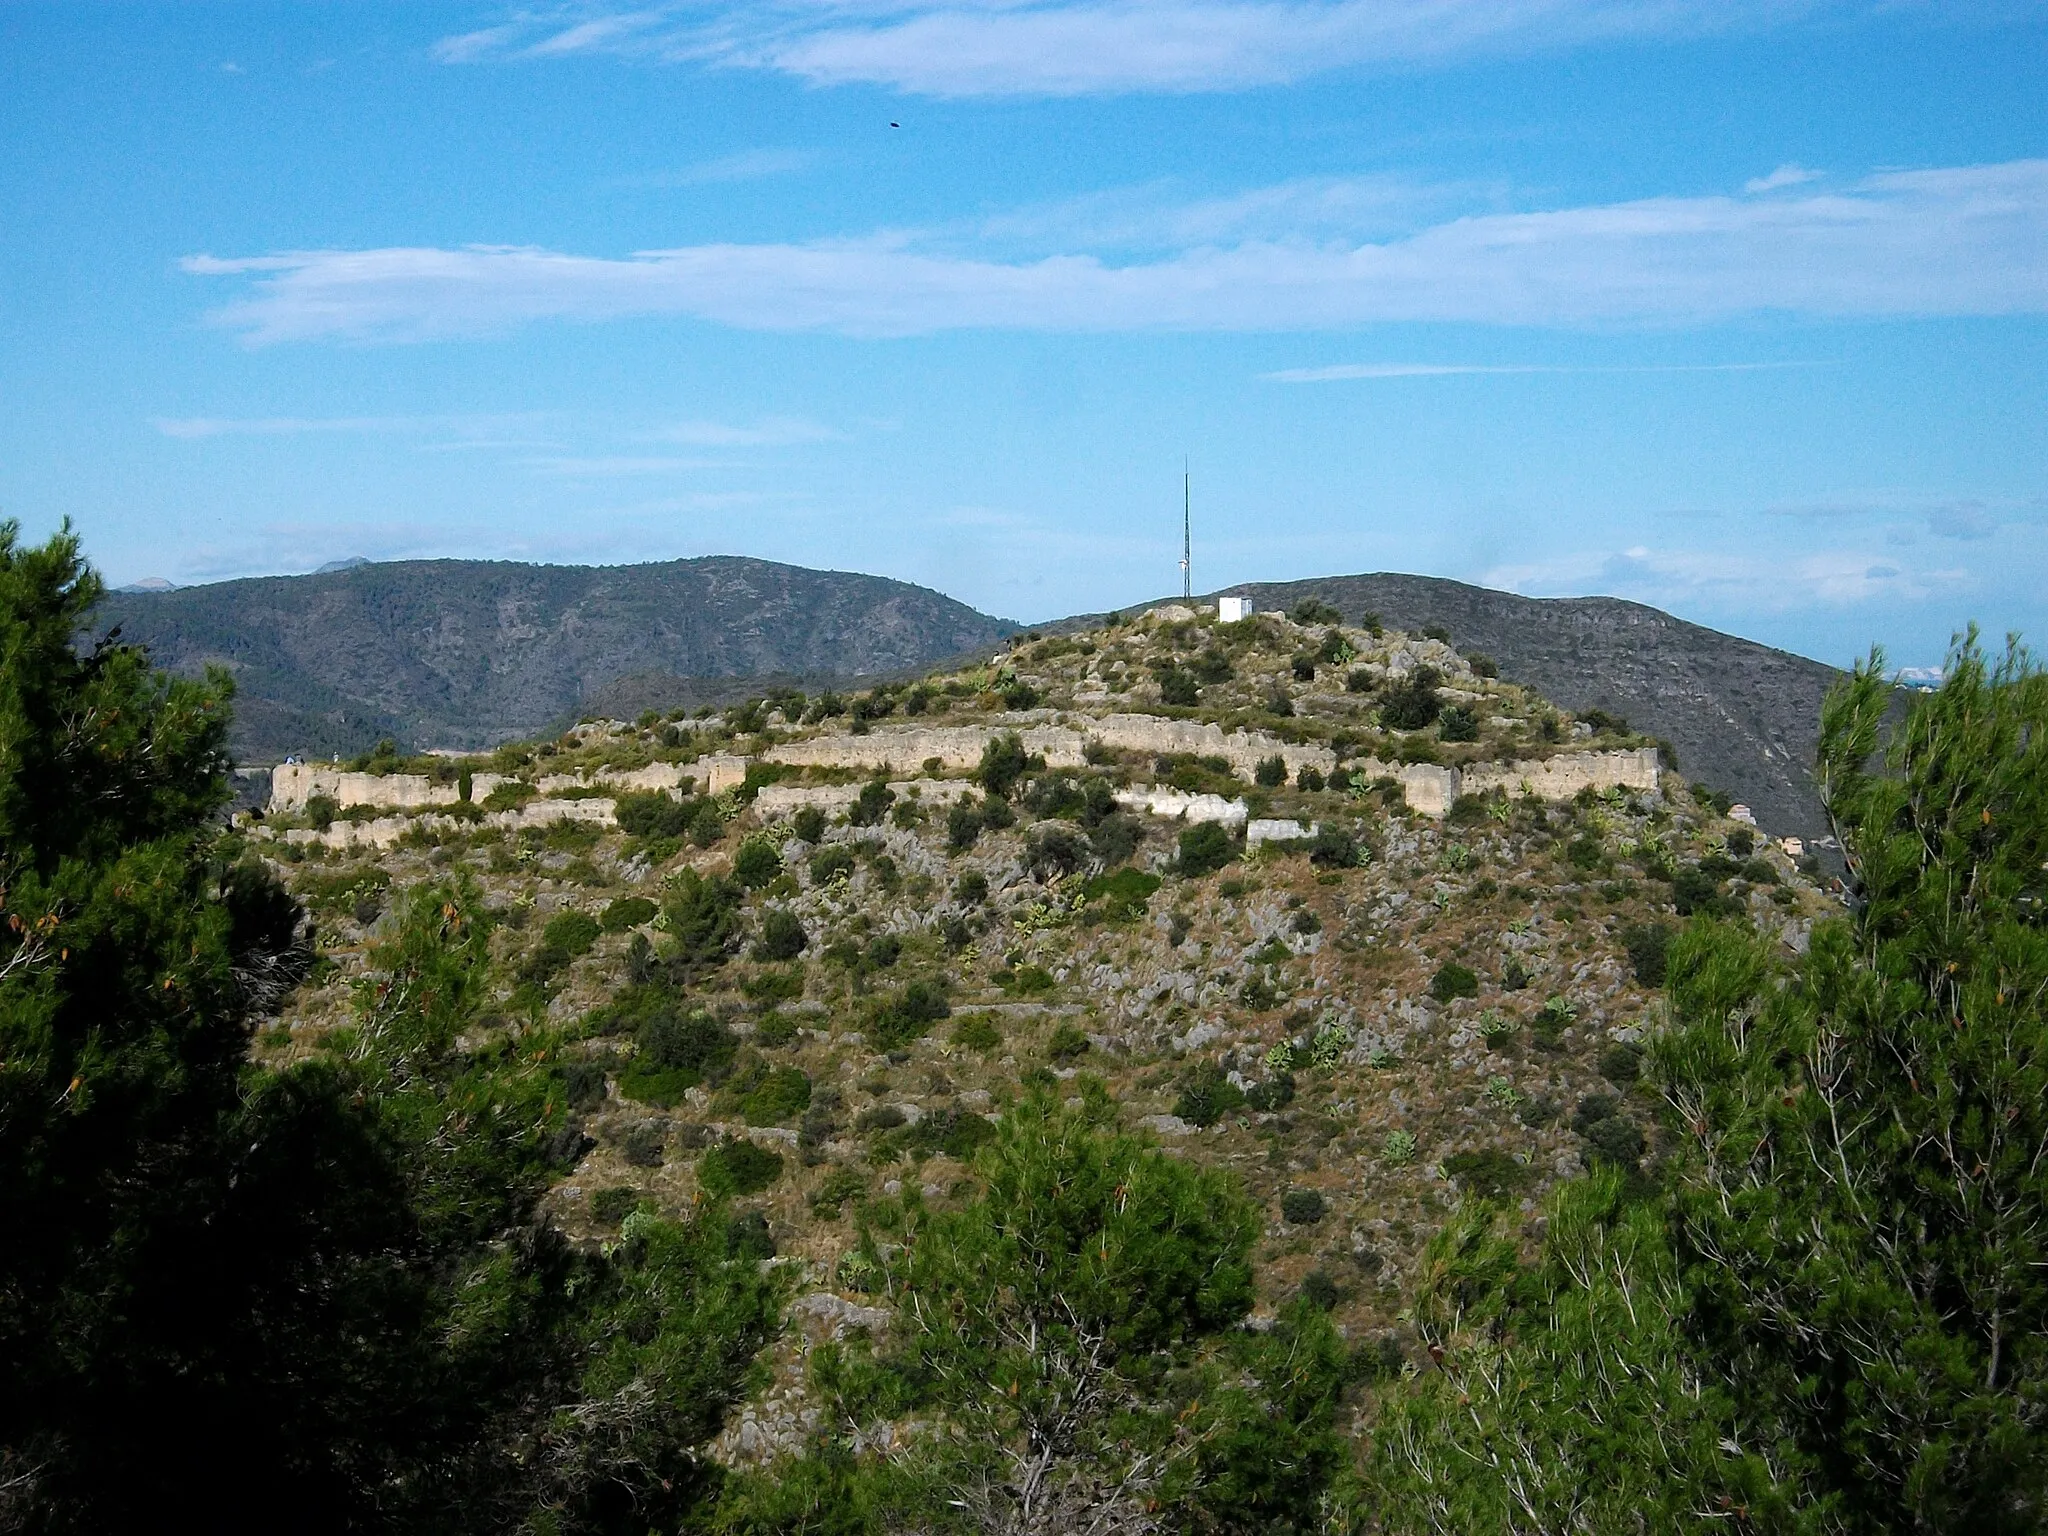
(1738, 308)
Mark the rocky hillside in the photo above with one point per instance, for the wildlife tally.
(1742, 716)
(815, 989)
(466, 653)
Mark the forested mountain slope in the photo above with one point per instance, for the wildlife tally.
(466, 653)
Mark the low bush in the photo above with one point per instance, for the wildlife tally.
(977, 1032)
(1453, 980)
(782, 937)
(1303, 1207)
(756, 863)
(1491, 1174)
(1205, 848)
(1206, 1095)
(1067, 1043)
(627, 912)
(738, 1168)
(909, 1014)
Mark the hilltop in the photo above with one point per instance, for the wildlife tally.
(1324, 905)
(1741, 716)
(467, 653)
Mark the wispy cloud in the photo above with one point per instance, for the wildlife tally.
(1080, 47)
(1956, 241)
(1341, 372)
(609, 466)
(1783, 176)
(770, 432)
(746, 165)
(1752, 581)
(191, 427)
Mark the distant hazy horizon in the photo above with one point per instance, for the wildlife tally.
(1738, 310)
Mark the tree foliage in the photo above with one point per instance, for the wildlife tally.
(316, 1296)
(1832, 1314)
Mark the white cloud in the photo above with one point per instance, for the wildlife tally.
(1783, 176)
(773, 431)
(1342, 372)
(609, 466)
(1078, 47)
(1740, 578)
(746, 165)
(191, 427)
(1956, 241)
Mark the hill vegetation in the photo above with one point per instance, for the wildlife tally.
(1739, 715)
(981, 1151)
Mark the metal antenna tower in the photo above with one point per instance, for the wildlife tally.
(1187, 527)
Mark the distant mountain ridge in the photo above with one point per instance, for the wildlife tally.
(1743, 717)
(466, 653)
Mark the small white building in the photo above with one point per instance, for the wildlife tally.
(1742, 813)
(1231, 609)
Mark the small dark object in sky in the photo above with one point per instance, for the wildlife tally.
(895, 125)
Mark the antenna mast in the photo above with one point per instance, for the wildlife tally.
(1187, 526)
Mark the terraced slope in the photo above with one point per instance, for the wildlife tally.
(815, 992)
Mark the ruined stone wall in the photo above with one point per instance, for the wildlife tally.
(385, 831)
(955, 746)
(777, 800)
(1062, 746)
(293, 784)
(1178, 806)
(1563, 776)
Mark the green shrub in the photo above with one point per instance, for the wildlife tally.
(1491, 1174)
(1067, 1043)
(1334, 848)
(1649, 948)
(756, 863)
(782, 937)
(977, 1032)
(1003, 762)
(971, 889)
(738, 1168)
(1275, 1093)
(1414, 704)
(1026, 980)
(1206, 1095)
(613, 1204)
(583, 1083)
(674, 1049)
(1311, 611)
(1178, 688)
(1457, 724)
(1621, 1064)
(1271, 772)
(781, 1094)
(776, 984)
(908, 1015)
(574, 932)
(832, 862)
(872, 805)
(627, 912)
(1205, 848)
(1303, 1207)
(775, 1030)
(1453, 980)
(838, 1187)
(808, 824)
(1123, 894)
(654, 813)
(703, 918)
